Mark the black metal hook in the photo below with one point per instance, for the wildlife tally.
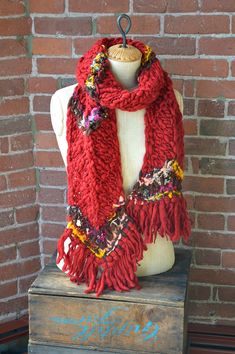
(128, 27)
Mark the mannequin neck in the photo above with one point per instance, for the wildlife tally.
(125, 72)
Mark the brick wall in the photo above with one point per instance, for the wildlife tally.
(19, 246)
(195, 41)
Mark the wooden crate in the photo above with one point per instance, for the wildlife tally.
(152, 320)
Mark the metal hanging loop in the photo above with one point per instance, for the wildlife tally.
(128, 27)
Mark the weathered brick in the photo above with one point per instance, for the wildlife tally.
(19, 233)
(215, 204)
(41, 103)
(203, 184)
(211, 221)
(189, 87)
(43, 122)
(226, 293)
(199, 292)
(230, 186)
(11, 8)
(228, 259)
(199, 146)
(170, 45)
(48, 159)
(51, 196)
(165, 6)
(24, 283)
(44, 6)
(6, 218)
(212, 239)
(29, 249)
(197, 67)
(231, 223)
(27, 214)
(72, 26)
(15, 125)
(14, 306)
(218, 88)
(189, 106)
(144, 24)
(42, 85)
(49, 246)
(19, 269)
(3, 183)
(13, 47)
(217, 128)
(232, 147)
(51, 230)
(46, 141)
(21, 142)
(196, 24)
(209, 108)
(231, 108)
(52, 46)
(190, 126)
(14, 106)
(83, 44)
(11, 162)
(217, 46)
(207, 257)
(8, 289)
(4, 145)
(54, 213)
(56, 66)
(212, 276)
(23, 178)
(217, 6)
(212, 310)
(111, 6)
(17, 198)
(217, 166)
(19, 26)
(53, 178)
(7, 254)
(12, 87)
(12, 67)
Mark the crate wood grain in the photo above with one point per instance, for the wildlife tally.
(152, 320)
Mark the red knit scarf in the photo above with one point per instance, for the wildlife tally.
(108, 232)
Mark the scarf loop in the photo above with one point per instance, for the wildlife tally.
(108, 232)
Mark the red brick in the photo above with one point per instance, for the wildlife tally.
(198, 292)
(54, 213)
(190, 126)
(4, 145)
(231, 108)
(197, 67)
(83, 44)
(212, 276)
(20, 269)
(232, 147)
(29, 249)
(207, 257)
(15, 305)
(21, 142)
(19, 233)
(12, 87)
(211, 310)
(170, 45)
(189, 88)
(215, 204)
(52, 46)
(209, 108)
(228, 260)
(217, 128)
(7, 254)
(217, 46)
(19, 26)
(72, 26)
(217, 166)
(210, 221)
(14, 106)
(178, 84)
(8, 8)
(48, 159)
(13, 162)
(165, 6)
(41, 103)
(8, 289)
(209, 239)
(43, 122)
(195, 164)
(42, 84)
(203, 184)
(15, 125)
(12, 67)
(56, 66)
(197, 24)
(51, 196)
(22, 178)
(46, 141)
(199, 146)
(49, 246)
(218, 88)
(3, 183)
(52, 230)
(45, 6)
(217, 6)
(6, 218)
(25, 283)
(111, 6)
(27, 214)
(53, 178)
(231, 223)
(230, 186)
(233, 68)
(144, 24)
(13, 47)
(226, 293)
(17, 198)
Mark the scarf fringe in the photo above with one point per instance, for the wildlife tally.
(115, 272)
(168, 217)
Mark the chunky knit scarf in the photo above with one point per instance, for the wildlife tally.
(107, 232)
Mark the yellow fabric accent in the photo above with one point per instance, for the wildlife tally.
(178, 171)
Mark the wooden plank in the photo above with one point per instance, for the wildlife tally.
(167, 289)
(142, 328)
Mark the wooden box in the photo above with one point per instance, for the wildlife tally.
(152, 320)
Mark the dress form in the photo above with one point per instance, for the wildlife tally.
(160, 256)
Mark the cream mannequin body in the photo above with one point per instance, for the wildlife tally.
(160, 256)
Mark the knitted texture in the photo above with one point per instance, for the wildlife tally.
(108, 232)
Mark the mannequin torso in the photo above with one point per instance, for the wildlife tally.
(160, 256)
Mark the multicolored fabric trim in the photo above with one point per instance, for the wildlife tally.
(151, 187)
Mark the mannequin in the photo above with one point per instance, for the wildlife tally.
(124, 63)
